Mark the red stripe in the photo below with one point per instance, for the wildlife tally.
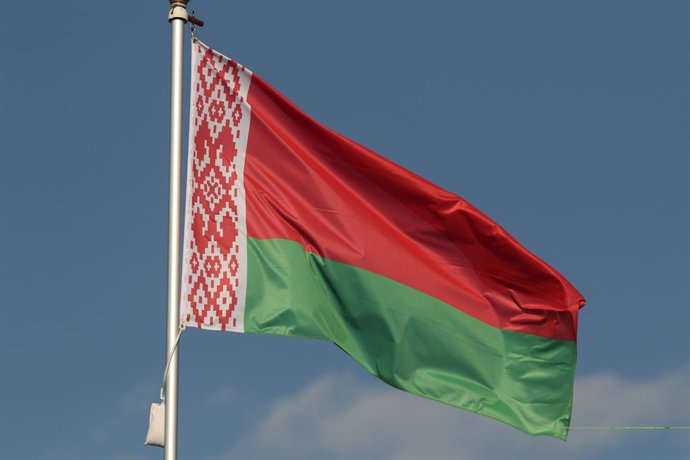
(344, 202)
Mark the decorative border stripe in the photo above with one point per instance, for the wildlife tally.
(214, 273)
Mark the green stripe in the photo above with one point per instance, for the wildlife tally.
(409, 339)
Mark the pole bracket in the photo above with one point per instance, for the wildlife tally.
(196, 21)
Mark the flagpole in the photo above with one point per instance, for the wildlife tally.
(177, 18)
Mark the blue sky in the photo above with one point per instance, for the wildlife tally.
(566, 122)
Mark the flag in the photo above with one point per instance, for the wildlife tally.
(292, 229)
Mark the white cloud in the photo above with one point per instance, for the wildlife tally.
(222, 397)
(607, 399)
(340, 417)
(134, 404)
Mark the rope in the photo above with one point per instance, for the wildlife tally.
(167, 364)
(629, 427)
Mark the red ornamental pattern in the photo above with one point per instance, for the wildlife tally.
(213, 253)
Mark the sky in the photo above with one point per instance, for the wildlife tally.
(566, 122)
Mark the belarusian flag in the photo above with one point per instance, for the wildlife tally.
(293, 229)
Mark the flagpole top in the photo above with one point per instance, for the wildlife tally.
(178, 10)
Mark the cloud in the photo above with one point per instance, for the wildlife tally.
(340, 417)
(222, 397)
(607, 399)
(121, 428)
(133, 405)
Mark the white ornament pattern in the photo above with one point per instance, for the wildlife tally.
(215, 254)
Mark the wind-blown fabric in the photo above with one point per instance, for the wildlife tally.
(293, 229)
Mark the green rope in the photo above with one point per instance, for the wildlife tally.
(628, 427)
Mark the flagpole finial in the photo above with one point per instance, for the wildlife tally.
(178, 10)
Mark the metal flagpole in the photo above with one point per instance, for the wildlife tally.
(177, 18)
